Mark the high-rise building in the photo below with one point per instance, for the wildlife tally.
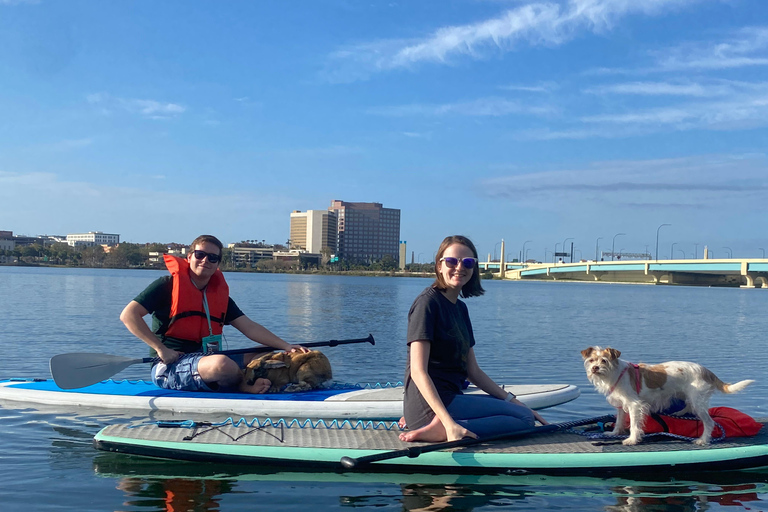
(366, 231)
(313, 230)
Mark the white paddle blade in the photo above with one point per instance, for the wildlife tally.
(80, 369)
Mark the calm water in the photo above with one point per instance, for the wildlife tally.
(526, 332)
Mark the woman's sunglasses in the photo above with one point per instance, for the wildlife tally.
(212, 258)
(454, 262)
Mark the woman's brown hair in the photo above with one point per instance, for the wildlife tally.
(473, 288)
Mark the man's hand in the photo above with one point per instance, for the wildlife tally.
(168, 355)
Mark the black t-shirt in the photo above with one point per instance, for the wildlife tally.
(446, 326)
(157, 298)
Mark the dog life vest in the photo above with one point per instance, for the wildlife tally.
(188, 319)
(735, 424)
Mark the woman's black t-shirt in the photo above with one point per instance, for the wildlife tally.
(446, 326)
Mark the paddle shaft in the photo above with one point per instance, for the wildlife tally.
(78, 370)
(415, 451)
(260, 350)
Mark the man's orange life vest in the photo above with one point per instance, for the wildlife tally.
(188, 320)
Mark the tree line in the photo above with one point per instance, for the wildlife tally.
(128, 255)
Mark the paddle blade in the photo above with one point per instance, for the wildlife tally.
(77, 370)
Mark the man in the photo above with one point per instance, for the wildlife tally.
(189, 309)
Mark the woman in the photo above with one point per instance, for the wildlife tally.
(441, 358)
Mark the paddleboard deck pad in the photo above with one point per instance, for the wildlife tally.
(297, 445)
(360, 401)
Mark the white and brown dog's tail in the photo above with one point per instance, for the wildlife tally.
(722, 386)
(735, 388)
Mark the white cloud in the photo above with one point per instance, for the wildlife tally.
(746, 48)
(151, 109)
(534, 24)
(481, 107)
(662, 89)
(87, 206)
(544, 87)
(703, 181)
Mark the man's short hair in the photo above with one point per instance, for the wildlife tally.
(209, 239)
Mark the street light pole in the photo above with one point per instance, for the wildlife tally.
(657, 239)
(695, 251)
(672, 251)
(763, 252)
(554, 255)
(564, 247)
(730, 252)
(597, 246)
(523, 255)
(613, 243)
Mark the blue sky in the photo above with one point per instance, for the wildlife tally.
(531, 121)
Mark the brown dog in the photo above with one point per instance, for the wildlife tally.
(290, 371)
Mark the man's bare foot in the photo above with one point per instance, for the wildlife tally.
(258, 387)
(432, 433)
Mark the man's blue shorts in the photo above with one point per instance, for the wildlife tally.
(181, 375)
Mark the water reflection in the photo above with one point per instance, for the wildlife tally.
(149, 484)
(174, 494)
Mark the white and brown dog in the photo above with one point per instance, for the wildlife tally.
(290, 371)
(640, 389)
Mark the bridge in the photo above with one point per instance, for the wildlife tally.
(745, 273)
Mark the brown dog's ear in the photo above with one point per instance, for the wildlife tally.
(612, 353)
(587, 352)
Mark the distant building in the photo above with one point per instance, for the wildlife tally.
(246, 255)
(366, 231)
(92, 238)
(313, 230)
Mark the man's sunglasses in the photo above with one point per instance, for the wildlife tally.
(467, 263)
(212, 258)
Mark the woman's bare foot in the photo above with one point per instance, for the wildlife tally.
(258, 387)
(434, 432)
(401, 422)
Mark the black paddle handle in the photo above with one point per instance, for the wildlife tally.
(415, 451)
(259, 350)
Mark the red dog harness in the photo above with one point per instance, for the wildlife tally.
(638, 382)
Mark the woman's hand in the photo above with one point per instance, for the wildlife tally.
(539, 418)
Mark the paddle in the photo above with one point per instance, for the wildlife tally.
(77, 370)
(415, 451)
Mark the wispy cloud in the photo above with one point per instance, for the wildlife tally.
(712, 105)
(744, 111)
(103, 207)
(481, 107)
(746, 48)
(715, 181)
(151, 109)
(65, 145)
(533, 24)
(664, 89)
(544, 87)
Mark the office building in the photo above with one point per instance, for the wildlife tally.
(313, 230)
(366, 231)
(92, 238)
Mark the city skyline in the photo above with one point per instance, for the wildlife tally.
(529, 121)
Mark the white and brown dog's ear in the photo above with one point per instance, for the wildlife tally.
(587, 352)
(612, 353)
